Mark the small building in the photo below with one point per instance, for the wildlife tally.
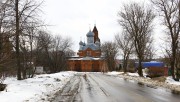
(39, 70)
(89, 55)
(154, 68)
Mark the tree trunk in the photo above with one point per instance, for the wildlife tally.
(140, 68)
(125, 65)
(173, 61)
(17, 42)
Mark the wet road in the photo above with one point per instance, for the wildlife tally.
(102, 88)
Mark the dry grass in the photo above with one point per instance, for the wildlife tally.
(160, 79)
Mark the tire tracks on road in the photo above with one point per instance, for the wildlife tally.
(68, 93)
(103, 90)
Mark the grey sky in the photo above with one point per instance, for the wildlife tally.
(73, 17)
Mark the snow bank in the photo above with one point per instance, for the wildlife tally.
(114, 73)
(169, 83)
(34, 89)
(133, 74)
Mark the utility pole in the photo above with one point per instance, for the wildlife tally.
(17, 41)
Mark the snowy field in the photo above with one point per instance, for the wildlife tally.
(36, 89)
(169, 82)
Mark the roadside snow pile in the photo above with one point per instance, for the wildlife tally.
(34, 89)
(169, 83)
(133, 74)
(114, 73)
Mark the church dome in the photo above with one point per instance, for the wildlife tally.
(80, 43)
(90, 34)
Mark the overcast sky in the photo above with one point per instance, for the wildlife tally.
(73, 18)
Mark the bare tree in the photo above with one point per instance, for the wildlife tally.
(54, 50)
(5, 30)
(124, 43)
(169, 10)
(43, 49)
(166, 49)
(136, 20)
(58, 53)
(17, 40)
(110, 52)
(149, 51)
(25, 13)
(31, 36)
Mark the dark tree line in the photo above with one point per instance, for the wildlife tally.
(169, 11)
(26, 44)
(136, 21)
(52, 51)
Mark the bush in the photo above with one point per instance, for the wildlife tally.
(131, 70)
(2, 86)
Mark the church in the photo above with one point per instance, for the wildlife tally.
(89, 57)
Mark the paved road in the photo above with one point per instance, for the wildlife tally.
(102, 88)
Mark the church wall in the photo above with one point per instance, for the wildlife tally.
(84, 53)
(85, 65)
(71, 64)
(74, 65)
(96, 66)
(78, 65)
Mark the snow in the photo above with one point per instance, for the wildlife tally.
(114, 73)
(133, 74)
(34, 89)
(169, 82)
(120, 73)
(42, 87)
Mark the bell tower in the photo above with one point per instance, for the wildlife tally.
(95, 31)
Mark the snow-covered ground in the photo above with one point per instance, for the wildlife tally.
(169, 82)
(36, 89)
(42, 87)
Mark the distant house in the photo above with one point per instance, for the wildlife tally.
(89, 55)
(154, 68)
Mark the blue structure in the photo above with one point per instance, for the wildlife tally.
(150, 64)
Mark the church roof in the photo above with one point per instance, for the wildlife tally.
(91, 46)
(87, 58)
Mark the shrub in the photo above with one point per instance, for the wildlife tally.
(2, 86)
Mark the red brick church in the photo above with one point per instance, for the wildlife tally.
(89, 55)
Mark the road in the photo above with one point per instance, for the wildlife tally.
(97, 87)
